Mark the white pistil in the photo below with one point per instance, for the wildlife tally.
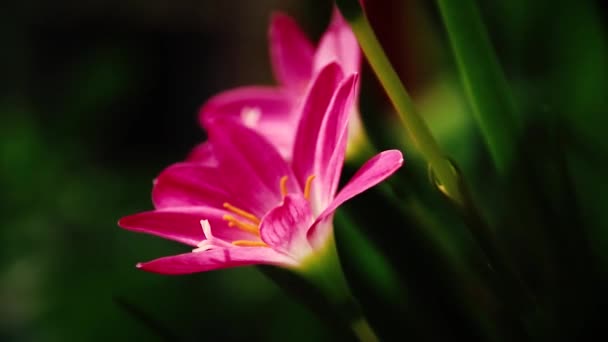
(208, 242)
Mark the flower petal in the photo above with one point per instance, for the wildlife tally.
(189, 184)
(324, 122)
(272, 102)
(314, 111)
(216, 258)
(333, 138)
(290, 51)
(371, 173)
(284, 227)
(251, 168)
(267, 110)
(183, 224)
(203, 154)
(338, 44)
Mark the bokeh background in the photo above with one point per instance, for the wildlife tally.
(97, 97)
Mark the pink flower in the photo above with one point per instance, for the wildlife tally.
(274, 112)
(238, 202)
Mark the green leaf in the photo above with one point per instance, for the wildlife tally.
(484, 82)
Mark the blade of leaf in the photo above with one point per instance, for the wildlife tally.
(483, 79)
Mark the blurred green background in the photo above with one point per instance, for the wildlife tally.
(97, 97)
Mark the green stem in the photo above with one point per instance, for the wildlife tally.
(416, 128)
(325, 272)
(363, 331)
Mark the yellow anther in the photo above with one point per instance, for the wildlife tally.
(307, 186)
(242, 213)
(283, 183)
(248, 227)
(247, 243)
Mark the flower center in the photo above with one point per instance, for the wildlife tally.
(307, 186)
(250, 223)
(244, 221)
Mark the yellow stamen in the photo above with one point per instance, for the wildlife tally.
(247, 243)
(248, 227)
(307, 186)
(242, 213)
(284, 186)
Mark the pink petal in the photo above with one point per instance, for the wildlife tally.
(333, 138)
(371, 173)
(324, 122)
(273, 103)
(189, 184)
(216, 258)
(284, 227)
(314, 110)
(267, 110)
(183, 224)
(338, 44)
(203, 154)
(251, 168)
(291, 52)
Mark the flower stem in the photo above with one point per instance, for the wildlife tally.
(363, 331)
(325, 272)
(416, 128)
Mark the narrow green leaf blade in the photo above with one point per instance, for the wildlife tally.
(483, 79)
